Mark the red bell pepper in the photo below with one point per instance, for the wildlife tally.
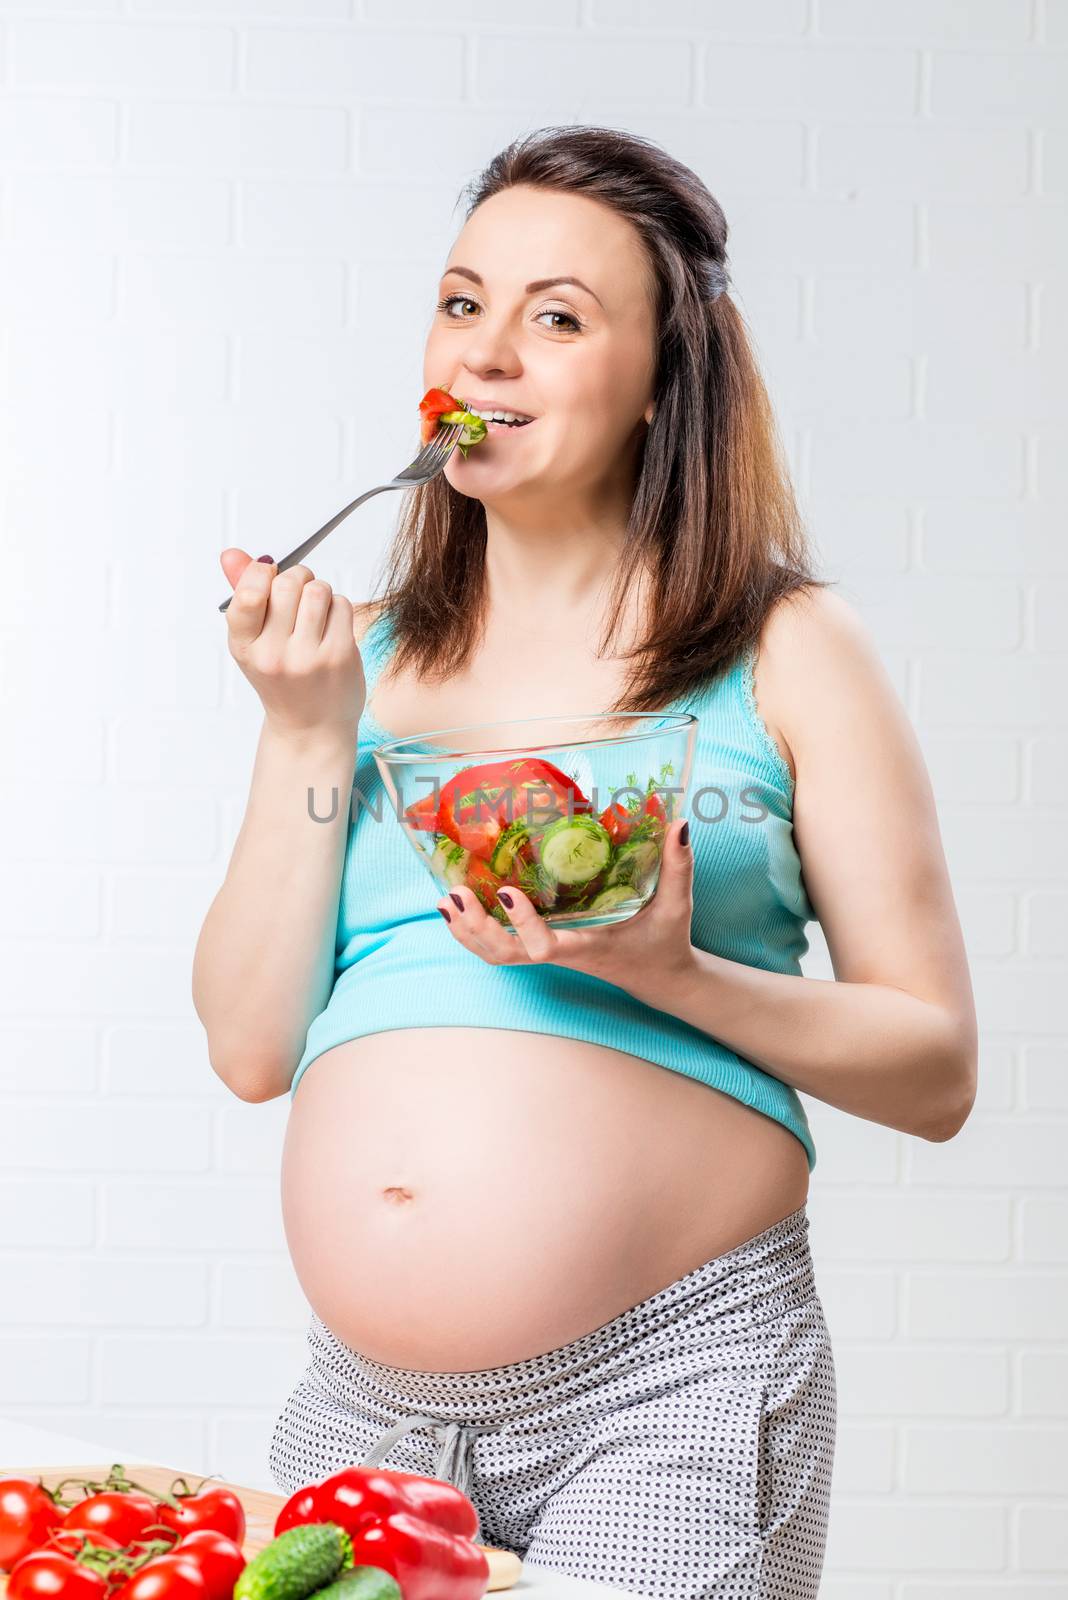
(428, 1562)
(357, 1495)
(439, 1502)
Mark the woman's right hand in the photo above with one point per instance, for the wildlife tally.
(293, 638)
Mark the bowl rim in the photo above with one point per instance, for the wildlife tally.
(677, 722)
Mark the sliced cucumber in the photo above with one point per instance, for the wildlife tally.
(449, 860)
(634, 863)
(574, 849)
(474, 427)
(504, 851)
(608, 899)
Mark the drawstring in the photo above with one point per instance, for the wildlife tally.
(454, 1464)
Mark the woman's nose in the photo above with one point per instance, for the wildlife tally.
(492, 352)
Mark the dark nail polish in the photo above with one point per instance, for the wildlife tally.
(456, 899)
(684, 833)
(269, 559)
(444, 913)
(505, 898)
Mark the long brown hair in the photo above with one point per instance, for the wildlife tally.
(713, 518)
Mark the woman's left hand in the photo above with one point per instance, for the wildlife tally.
(642, 952)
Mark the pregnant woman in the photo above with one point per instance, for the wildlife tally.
(545, 1191)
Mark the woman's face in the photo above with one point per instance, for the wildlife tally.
(578, 358)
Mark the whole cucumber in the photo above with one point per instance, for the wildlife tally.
(361, 1583)
(299, 1561)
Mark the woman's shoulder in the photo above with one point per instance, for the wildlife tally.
(365, 613)
(812, 645)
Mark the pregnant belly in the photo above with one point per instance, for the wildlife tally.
(459, 1198)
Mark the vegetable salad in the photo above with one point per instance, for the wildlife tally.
(525, 823)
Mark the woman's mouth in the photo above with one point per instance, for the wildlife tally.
(502, 421)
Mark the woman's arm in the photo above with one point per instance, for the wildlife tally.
(264, 962)
(894, 1038)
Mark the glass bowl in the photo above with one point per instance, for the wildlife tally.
(571, 810)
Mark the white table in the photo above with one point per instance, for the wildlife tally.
(22, 1445)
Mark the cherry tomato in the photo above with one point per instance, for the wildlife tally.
(122, 1514)
(220, 1560)
(48, 1574)
(27, 1512)
(217, 1509)
(168, 1577)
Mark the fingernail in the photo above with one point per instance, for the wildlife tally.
(269, 559)
(505, 898)
(455, 898)
(684, 833)
(444, 913)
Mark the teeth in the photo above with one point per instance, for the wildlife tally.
(500, 416)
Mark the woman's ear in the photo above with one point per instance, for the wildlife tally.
(650, 411)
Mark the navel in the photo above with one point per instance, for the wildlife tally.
(397, 1194)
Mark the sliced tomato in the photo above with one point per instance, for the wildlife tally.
(481, 877)
(432, 406)
(654, 807)
(540, 798)
(422, 814)
(471, 809)
(620, 823)
(617, 822)
(536, 768)
(476, 827)
(480, 800)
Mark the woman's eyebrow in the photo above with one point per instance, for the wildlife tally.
(532, 288)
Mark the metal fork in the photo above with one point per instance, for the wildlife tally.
(427, 464)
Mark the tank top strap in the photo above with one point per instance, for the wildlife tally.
(773, 756)
(729, 700)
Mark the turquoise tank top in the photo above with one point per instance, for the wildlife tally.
(397, 966)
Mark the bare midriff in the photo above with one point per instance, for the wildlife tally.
(457, 1198)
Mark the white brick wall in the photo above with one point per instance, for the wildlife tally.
(219, 220)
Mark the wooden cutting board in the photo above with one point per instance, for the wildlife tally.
(261, 1508)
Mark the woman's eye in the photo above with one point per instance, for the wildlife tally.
(567, 318)
(565, 322)
(451, 300)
